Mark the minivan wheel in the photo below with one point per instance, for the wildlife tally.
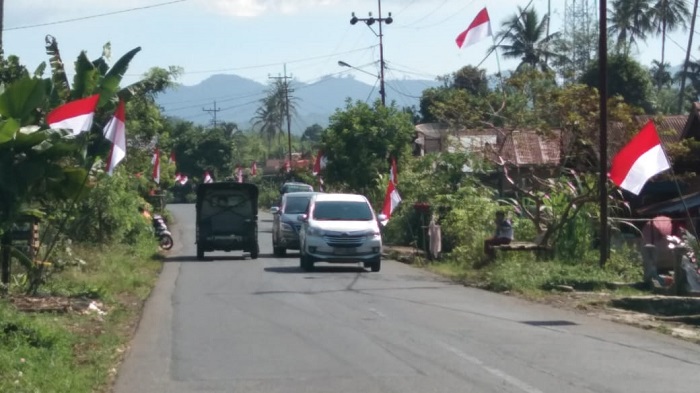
(200, 252)
(255, 251)
(376, 265)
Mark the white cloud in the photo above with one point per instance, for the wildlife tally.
(253, 8)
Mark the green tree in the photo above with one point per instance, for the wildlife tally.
(629, 21)
(627, 78)
(359, 141)
(668, 16)
(471, 79)
(527, 39)
(270, 118)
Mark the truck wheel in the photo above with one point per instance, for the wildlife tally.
(279, 251)
(305, 263)
(255, 251)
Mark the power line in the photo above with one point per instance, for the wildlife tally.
(252, 67)
(95, 16)
(215, 110)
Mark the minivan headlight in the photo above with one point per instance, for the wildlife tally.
(312, 231)
(287, 227)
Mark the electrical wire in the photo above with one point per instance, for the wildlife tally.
(493, 48)
(451, 16)
(94, 16)
(259, 66)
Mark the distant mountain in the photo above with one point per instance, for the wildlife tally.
(238, 98)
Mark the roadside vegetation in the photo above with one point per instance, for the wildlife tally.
(69, 305)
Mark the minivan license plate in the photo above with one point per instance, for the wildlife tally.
(344, 251)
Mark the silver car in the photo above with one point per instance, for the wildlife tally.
(285, 226)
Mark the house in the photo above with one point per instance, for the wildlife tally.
(524, 152)
(528, 152)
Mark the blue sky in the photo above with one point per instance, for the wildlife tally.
(256, 38)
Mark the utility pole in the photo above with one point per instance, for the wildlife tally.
(603, 91)
(287, 90)
(370, 21)
(214, 110)
(2, 25)
(687, 57)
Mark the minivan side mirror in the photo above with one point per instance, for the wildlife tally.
(303, 217)
(274, 209)
(381, 217)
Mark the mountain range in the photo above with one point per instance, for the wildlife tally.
(232, 98)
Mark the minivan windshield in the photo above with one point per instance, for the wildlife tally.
(342, 211)
(296, 205)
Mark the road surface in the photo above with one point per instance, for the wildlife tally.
(230, 324)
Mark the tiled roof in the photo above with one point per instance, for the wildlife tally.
(519, 147)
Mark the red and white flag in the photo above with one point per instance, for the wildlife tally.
(393, 172)
(156, 166)
(287, 166)
(76, 115)
(208, 178)
(254, 169)
(640, 160)
(319, 163)
(239, 174)
(115, 132)
(180, 178)
(391, 201)
(479, 29)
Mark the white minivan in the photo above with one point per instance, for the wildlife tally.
(340, 228)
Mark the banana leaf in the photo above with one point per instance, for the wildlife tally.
(8, 129)
(59, 77)
(86, 77)
(111, 81)
(22, 97)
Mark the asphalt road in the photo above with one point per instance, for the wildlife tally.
(230, 324)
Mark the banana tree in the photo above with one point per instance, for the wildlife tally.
(41, 164)
(36, 162)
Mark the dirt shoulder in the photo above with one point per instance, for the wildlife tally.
(676, 316)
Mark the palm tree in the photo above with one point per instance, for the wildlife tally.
(528, 39)
(274, 109)
(630, 21)
(668, 15)
(660, 74)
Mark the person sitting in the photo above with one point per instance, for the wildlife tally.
(502, 235)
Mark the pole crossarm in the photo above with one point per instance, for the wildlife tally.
(370, 21)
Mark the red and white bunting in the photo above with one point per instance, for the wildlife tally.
(115, 132)
(156, 166)
(76, 115)
(208, 178)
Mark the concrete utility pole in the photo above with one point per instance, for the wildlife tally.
(2, 25)
(603, 90)
(214, 111)
(370, 21)
(287, 90)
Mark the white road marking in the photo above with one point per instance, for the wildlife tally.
(379, 313)
(493, 371)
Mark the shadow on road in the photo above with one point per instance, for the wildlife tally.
(316, 269)
(193, 258)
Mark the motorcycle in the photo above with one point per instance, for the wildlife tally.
(165, 238)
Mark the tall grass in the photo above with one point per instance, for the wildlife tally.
(75, 352)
